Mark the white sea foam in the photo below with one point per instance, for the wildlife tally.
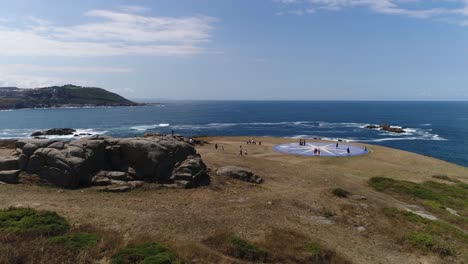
(148, 127)
(80, 133)
(432, 137)
(25, 133)
(304, 124)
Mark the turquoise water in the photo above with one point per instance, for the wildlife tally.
(437, 129)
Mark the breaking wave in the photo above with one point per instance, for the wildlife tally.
(148, 127)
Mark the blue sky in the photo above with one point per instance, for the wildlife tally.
(240, 49)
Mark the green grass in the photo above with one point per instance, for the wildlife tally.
(26, 220)
(453, 196)
(421, 240)
(445, 178)
(148, 253)
(437, 236)
(338, 192)
(313, 248)
(245, 250)
(76, 241)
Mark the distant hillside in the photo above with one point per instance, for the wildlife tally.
(59, 96)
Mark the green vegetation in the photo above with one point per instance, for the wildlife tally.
(26, 220)
(421, 240)
(441, 237)
(76, 241)
(445, 178)
(436, 236)
(59, 96)
(452, 196)
(148, 253)
(248, 251)
(313, 248)
(338, 192)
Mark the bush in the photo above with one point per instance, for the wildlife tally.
(76, 241)
(421, 240)
(26, 220)
(338, 192)
(248, 251)
(148, 253)
(313, 248)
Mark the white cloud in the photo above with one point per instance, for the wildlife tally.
(34, 75)
(116, 33)
(133, 8)
(453, 9)
(35, 68)
(36, 81)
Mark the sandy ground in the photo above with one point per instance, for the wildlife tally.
(295, 196)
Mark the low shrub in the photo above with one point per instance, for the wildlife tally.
(27, 220)
(338, 192)
(76, 241)
(248, 251)
(313, 248)
(148, 253)
(421, 240)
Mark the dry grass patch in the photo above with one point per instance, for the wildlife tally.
(278, 246)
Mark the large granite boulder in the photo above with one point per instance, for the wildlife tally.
(99, 160)
(9, 164)
(191, 173)
(239, 173)
(9, 176)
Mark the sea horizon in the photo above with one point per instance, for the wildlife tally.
(435, 129)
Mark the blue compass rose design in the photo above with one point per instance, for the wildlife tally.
(326, 149)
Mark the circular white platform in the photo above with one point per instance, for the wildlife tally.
(327, 149)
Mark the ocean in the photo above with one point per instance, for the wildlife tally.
(436, 129)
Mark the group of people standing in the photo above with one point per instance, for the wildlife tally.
(302, 142)
(253, 142)
(317, 152)
(216, 146)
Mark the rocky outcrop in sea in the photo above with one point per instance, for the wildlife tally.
(388, 128)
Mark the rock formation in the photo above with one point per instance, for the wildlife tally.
(388, 128)
(239, 173)
(54, 132)
(114, 162)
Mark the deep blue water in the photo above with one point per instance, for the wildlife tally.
(437, 129)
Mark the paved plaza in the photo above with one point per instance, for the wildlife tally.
(327, 149)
